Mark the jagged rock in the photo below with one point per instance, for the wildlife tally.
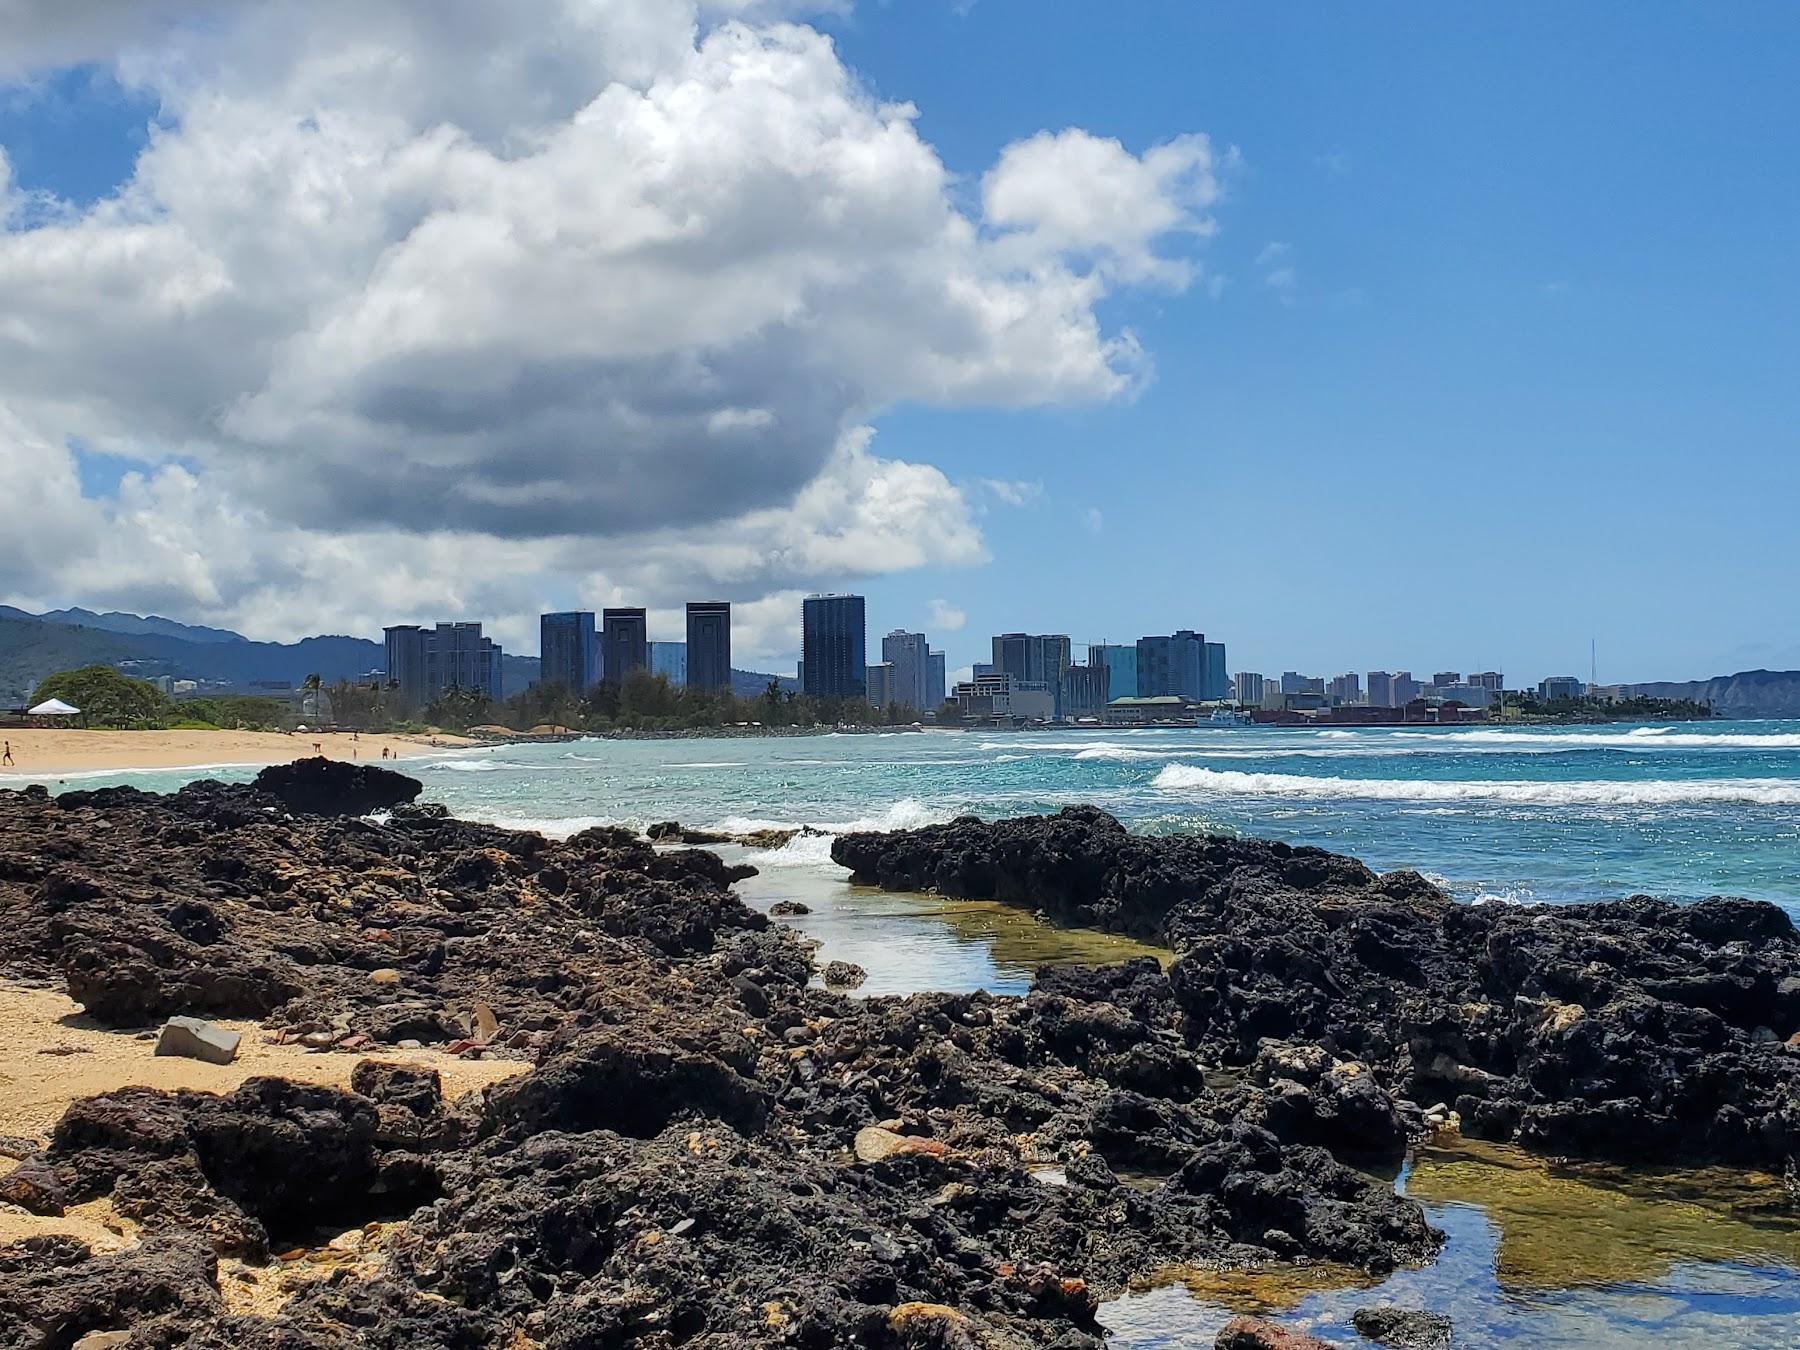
(1255, 1333)
(192, 1038)
(844, 974)
(1403, 1328)
(1636, 1030)
(53, 1290)
(783, 909)
(330, 787)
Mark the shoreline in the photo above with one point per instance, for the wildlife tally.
(51, 753)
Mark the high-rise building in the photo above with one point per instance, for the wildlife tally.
(1216, 683)
(1559, 687)
(423, 663)
(709, 644)
(910, 656)
(935, 688)
(1174, 665)
(1084, 691)
(569, 651)
(1033, 659)
(1344, 690)
(670, 660)
(1121, 668)
(1488, 679)
(1447, 677)
(624, 643)
(883, 685)
(1405, 688)
(1381, 689)
(1293, 682)
(834, 645)
(1247, 688)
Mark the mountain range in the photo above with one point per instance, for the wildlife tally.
(33, 646)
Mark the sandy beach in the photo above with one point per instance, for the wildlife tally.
(46, 753)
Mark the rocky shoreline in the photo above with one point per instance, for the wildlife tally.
(712, 1150)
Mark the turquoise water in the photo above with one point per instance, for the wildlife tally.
(1552, 814)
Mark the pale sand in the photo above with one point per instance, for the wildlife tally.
(39, 1077)
(40, 753)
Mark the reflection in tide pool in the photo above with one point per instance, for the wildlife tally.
(1537, 1256)
(908, 943)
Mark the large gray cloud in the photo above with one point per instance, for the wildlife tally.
(553, 271)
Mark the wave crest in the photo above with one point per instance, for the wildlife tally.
(1189, 780)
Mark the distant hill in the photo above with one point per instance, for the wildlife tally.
(750, 684)
(114, 622)
(1749, 693)
(33, 646)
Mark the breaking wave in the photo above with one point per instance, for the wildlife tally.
(1188, 779)
(1638, 738)
(814, 849)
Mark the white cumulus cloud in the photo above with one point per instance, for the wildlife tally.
(422, 308)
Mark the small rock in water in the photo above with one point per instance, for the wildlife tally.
(193, 1038)
(1403, 1328)
(1254, 1333)
(844, 975)
(783, 909)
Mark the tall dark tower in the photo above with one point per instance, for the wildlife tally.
(709, 644)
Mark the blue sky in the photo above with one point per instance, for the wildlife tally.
(1538, 378)
(1493, 349)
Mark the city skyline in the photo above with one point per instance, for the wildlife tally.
(1002, 360)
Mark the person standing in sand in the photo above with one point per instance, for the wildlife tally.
(7, 757)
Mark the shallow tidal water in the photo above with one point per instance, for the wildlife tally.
(1536, 1256)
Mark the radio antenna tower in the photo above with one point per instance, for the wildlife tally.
(1593, 662)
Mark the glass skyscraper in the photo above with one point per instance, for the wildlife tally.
(709, 644)
(624, 643)
(569, 651)
(834, 650)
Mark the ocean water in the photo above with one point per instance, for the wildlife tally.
(1547, 814)
(1551, 814)
(1537, 1256)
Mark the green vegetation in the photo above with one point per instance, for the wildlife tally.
(642, 702)
(1524, 706)
(106, 698)
(646, 702)
(237, 712)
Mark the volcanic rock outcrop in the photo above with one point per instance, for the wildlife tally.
(680, 1166)
(1636, 1030)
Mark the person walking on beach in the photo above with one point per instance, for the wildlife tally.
(7, 757)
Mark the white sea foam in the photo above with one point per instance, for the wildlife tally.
(706, 764)
(551, 827)
(1187, 779)
(1637, 738)
(462, 765)
(814, 849)
(188, 771)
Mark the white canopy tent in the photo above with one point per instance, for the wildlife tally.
(53, 707)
